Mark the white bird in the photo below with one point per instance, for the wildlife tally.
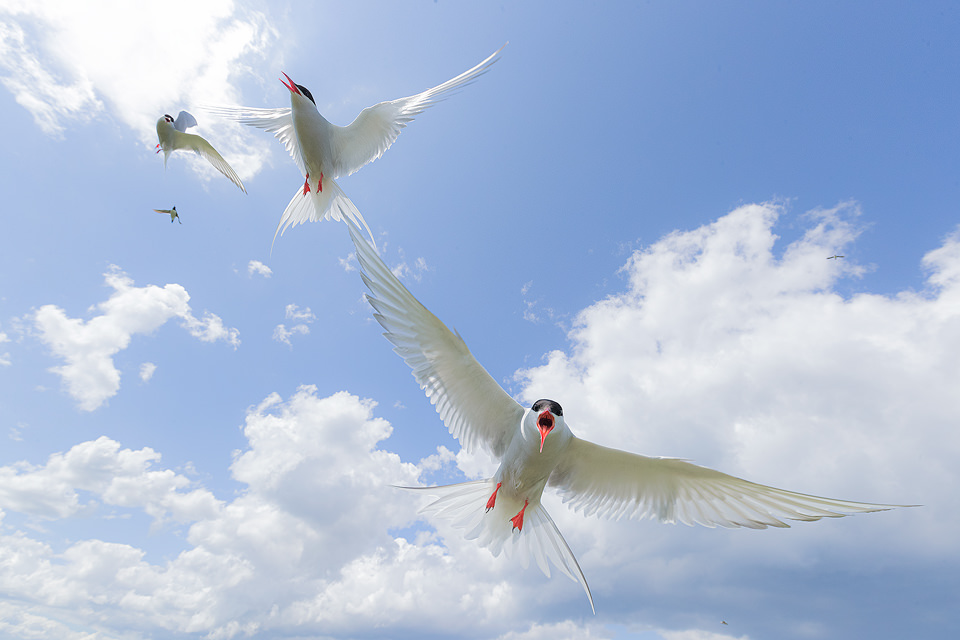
(536, 448)
(173, 136)
(324, 152)
(170, 212)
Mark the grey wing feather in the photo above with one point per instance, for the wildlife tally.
(279, 122)
(184, 121)
(471, 404)
(202, 147)
(377, 127)
(613, 483)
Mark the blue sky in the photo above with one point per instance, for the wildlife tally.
(630, 213)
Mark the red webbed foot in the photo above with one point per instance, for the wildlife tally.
(493, 498)
(517, 520)
(320, 183)
(306, 185)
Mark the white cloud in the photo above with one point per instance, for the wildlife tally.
(186, 53)
(88, 346)
(295, 313)
(119, 477)
(282, 334)
(720, 348)
(4, 357)
(255, 266)
(147, 370)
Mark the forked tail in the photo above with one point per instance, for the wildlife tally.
(329, 204)
(464, 504)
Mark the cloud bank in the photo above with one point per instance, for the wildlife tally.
(724, 347)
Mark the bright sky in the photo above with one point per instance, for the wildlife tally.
(631, 213)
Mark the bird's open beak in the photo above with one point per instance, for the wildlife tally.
(292, 86)
(545, 424)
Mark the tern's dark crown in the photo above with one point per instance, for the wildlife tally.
(552, 405)
(307, 93)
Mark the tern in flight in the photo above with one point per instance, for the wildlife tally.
(324, 152)
(170, 212)
(536, 449)
(835, 257)
(173, 136)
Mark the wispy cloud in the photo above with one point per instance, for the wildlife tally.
(53, 60)
(303, 317)
(4, 357)
(147, 370)
(257, 267)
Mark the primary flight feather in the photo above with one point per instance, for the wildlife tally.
(173, 137)
(536, 448)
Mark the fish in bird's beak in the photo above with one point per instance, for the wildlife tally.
(545, 424)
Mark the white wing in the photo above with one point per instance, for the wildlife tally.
(202, 147)
(184, 121)
(279, 122)
(377, 127)
(613, 483)
(471, 403)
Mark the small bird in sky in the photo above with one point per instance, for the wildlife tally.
(536, 449)
(173, 136)
(170, 212)
(324, 152)
(834, 257)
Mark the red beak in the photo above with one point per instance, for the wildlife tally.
(292, 86)
(545, 424)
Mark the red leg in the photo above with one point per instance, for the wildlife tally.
(517, 520)
(320, 184)
(306, 185)
(493, 499)
(159, 149)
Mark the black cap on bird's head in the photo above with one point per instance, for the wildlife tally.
(168, 117)
(546, 409)
(298, 89)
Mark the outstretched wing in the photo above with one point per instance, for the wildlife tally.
(613, 483)
(279, 122)
(377, 127)
(202, 147)
(471, 403)
(184, 121)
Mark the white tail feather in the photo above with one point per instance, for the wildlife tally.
(464, 505)
(329, 204)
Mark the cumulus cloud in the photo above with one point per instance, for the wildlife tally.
(53, 61)
(257, 267)
(88, 346)
(120, 477)
(723, 346)
(304, 548)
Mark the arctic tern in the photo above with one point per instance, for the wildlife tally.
(537, 449)
(173, 136)
(170, 212)
(324, 152)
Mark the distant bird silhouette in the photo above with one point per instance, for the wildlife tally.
(170, 212)
(832, 257)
